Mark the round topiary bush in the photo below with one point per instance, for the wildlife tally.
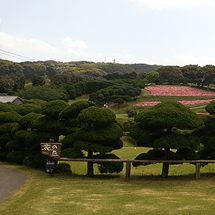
(35, 160)
(53, 108)
(63, 168)
(74, 109)
(72, 153)
(16, 157)
(108, 167)
(210, 108)
(97, 116)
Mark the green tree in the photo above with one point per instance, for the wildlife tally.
(6, 84)
(16, 70)
(69, 114)
(32, 69)
(208, 74)
(172, 74)
(158, 128)
(34, 129)
(8, 121)
(19, 83)
(98, 99)
(99, 134)
(38, 80)
(192, 73)
(206, 133)
(45, 93)
(152, 76)
(69, 117)
(119, 101)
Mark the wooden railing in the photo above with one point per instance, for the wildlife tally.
(128, 163)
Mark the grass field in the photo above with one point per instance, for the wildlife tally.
(146, 193)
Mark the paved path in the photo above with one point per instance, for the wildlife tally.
(10, 180)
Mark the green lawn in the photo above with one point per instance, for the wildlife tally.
(145, 193)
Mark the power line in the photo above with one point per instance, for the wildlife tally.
(11, 54)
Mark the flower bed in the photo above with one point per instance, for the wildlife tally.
(177, 91)
(145, 104)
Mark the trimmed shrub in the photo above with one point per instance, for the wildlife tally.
(11, 116)
(63, 168)
(35, 160)
(105, 134)
(53, 108)
(16, 157)
(74, 109)
(5, 107)
(68, 141)
(97, 116)
(128, 124)
(48, 124)
(14, 145)
(72, 153)
(92, 146)
(107, 167)
(6, 127)
(29, 119)
(27, 108)
(210, 108)
(4, 139)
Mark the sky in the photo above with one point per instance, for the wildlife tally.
(162, 32)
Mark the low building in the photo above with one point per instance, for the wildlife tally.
(12, 99)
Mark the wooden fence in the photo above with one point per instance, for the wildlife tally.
(128, 163)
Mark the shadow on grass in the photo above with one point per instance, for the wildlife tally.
(188, 177)
(95, 177)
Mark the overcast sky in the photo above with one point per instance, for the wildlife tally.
(164, 32)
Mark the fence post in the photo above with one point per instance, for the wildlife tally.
(197, 171)
(128, 170)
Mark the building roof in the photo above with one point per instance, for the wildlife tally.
(11, 99)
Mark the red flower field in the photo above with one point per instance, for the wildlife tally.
(144, 104)
(177, 91)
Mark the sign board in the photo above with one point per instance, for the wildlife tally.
(50, 166)
(51, 149)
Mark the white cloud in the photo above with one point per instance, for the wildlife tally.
(28, 47)
(174, 3)
(40, 50)
(76, 45)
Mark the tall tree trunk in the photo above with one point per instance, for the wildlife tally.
(90, 171)
(165, 169)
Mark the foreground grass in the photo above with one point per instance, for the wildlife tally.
(111, 195)
(145, 193)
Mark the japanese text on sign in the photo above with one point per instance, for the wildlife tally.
(51, 149)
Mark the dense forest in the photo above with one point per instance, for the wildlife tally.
(50, 68)
(52, 80)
